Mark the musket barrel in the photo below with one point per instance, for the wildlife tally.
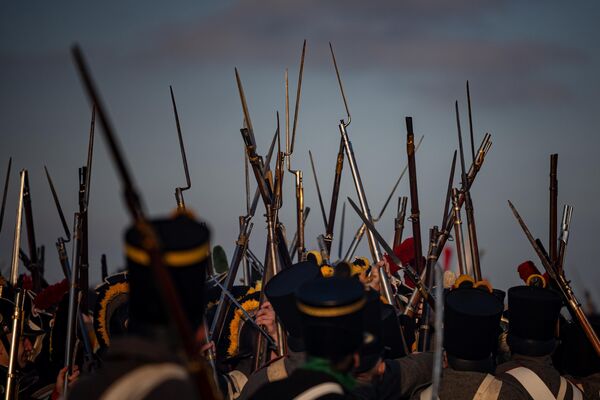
(414, 195)
(11, 392)
(553, 209)
(14, 271)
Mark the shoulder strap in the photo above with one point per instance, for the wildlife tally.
(489, 389)
(137, 384)
(320, 390)
(577, 393)
(426, 394)
(276, 370)
(532, 383)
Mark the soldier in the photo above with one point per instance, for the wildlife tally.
(332, 322)
(144, 363)
(533, 321)
(280, 291)
(380, 378)
(471, 327)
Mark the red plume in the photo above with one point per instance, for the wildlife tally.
(527, 269)
(51, 295)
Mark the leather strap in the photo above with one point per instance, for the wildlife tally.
(137, 384)
(532, 383)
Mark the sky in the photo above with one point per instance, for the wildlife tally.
(532, 67)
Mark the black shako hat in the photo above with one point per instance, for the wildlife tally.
(532, 318)
(186, 253)
(471, 320)
(332, 316)
(281, 292)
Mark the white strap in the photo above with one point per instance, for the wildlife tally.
(138, 383)
(426, 394)
(320, 390)
(534, 385)
(562, 390)
(489, 389)
(577, 393)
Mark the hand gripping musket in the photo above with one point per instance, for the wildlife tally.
(6, 181)
(553, 210)
(197, 366)
(564, 237)
(361, 231)
(471, 228)
(399, 220)
(11, 379)
(81, 263)
(179, 190)
(413, 275)
(289, 150)
(562, 283)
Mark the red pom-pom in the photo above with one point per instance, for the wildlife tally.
(527, 269)
(406, 251)
(51, 296)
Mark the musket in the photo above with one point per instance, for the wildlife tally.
(470, 123)
(442, 236)
(471, 228)
(197, 366)
(458, 236)
(314, 172)
(12, 385)
(342, 231)
(361, 230)
(414, 195)
(34, 266)
(294, 243)
(6, 181)
(323, 249)
(179, 190)
(11, 382)
(289, 150)
(399, 220)
(553, 210)
(335, 192)
(60, 243)
(561, 282)
(564, 237)
(413, 275)
(241, 247)
(424, 339)
(439, 334)
(81, 263)
(104, 267)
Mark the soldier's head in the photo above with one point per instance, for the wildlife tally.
(281, 292)
(185, 246)
(471, 328)
(533, 317)
(332, 319)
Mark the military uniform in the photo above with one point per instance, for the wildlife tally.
(471, 328)
(533, 318)
(401, 377)
(144, 363)
(332, 320)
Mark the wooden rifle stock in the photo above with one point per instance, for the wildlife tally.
(197, 366)
(335, 193)
(399, 221)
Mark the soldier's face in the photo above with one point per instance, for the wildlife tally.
(24, 350)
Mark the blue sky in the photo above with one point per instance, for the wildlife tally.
(532, 67)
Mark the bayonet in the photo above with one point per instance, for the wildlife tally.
(553, 210)
(470, 123)
(60, 244)
(205, 384)
(342, 231)
(179, 190)
(312, 165)
(564, 238)
(6, 181)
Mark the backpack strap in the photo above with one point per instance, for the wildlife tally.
(138, 383)
(320, 390)
(532, 383)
